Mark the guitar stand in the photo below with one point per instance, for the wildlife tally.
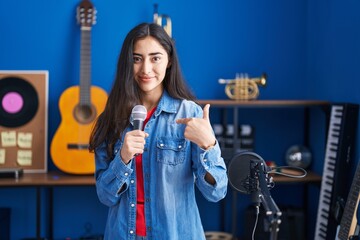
(263, 196)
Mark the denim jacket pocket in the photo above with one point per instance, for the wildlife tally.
(171, 150)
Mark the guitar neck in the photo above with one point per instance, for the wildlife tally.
(348, 221)
(85, 66)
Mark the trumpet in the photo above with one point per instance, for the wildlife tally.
(158, 19)
(243, 87)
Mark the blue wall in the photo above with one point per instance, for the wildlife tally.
(309, 49)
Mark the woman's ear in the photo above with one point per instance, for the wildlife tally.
(169, 64)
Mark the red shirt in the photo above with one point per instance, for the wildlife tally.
(140, 213)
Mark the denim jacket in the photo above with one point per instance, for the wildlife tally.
(172, 166)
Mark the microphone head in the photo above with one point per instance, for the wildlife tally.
(239, 171)
(138, 112)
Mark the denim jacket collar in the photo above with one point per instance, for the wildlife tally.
(167, 104)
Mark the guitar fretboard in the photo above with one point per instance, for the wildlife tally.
(348, 221)
(85, 66)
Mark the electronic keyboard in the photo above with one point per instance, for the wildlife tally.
(338, 158)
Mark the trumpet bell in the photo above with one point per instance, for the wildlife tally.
(262, 80)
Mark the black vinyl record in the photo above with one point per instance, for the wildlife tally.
(19, 102)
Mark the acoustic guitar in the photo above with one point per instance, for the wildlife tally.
(79, 107)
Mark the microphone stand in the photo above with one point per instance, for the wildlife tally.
(262, 195)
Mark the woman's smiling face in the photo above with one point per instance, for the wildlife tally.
(150, 64)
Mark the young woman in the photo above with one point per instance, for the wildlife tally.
(147, 178)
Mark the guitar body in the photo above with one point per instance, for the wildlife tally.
(69, 146)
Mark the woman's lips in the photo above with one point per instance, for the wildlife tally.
(145, 78)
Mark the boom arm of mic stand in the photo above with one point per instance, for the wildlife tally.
(271, 209)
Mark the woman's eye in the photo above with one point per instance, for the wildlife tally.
(137, 59)
(156, 59)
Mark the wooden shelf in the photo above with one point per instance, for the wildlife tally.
(263, 103)
(52, 178)
(56, 178)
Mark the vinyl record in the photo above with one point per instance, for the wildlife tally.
(19, 102)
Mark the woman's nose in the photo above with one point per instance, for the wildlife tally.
(146, 68)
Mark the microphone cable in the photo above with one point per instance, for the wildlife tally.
(256, 222)
(289, 171)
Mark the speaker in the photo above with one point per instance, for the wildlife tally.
(292, 224)
(23, 120)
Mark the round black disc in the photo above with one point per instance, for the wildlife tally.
(19, 102)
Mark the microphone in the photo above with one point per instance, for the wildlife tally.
(248, 173)
(138, 116)
(242, 172)
(247, 169)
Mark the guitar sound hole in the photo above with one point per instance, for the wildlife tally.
(84, 113)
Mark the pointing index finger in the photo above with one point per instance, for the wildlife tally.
(183, 120)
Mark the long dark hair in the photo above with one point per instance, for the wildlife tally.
(125, 93)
